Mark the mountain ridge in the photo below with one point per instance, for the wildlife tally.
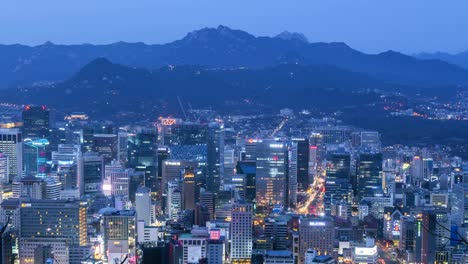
(460, 58)
(104, 87)
(221, 47)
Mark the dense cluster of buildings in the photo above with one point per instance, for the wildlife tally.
(222, 191)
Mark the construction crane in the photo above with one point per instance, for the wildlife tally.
(182, 107)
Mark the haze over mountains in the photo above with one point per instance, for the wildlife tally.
(460, 59)
(223, 47)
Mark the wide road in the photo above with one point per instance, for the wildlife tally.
(386, 256)
(314, 194)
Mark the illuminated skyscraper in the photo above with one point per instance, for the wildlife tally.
(119, 228)
(292, 174)
(241, 233)
(163, 154)
(215, 157)
(67, 163)
(58, 223)
(143, 205)
(11, 145)
(173, 199)
(143, 154)
(208, 199)
(248, 169)
(35, 122)
(369, 174)
(271, 174)
(301, 146)
(117, 181)
(338, 180)
(28, 186)
(105, 145)
(229, 163)
(316, 233)
(34, 157)
(3, 169)
(93, 172)
(421, 170)
(189, 192)
(189, 134)
(172, 170)
(122, 147)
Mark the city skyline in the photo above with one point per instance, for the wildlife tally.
(224, 146)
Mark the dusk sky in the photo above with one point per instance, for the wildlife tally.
(372, 26)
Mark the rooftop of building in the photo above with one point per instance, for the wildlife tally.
(322, 259)
(279, 253)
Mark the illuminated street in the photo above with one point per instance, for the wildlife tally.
(387, 256)
(314, 198)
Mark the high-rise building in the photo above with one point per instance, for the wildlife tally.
(143, 205)
(241, 233)
(292, 175)
(250, 150)
(370, 139)
(66, 154)
(194, 246)
(10, 211)
(276, 231)
(215, 157)
(93, 171)
(271, 174)
(165, 126)
(116, 180)
(188, 187)
(35, 157)
(58, 224)
(172, 170)
(87, 139)
(163, 154)
(459, 203)
(421, 170)
(4, 169)
(143, 154)
(67, 163)
(338, 179)
(11, 145)
(122, 147)
(61, 135)
(119, 228)
(409, 230)
(335, 135)
(229, 164)
(316, 233)
(35, 122)
(369, 174)
(105, 145)
(28, 186)
(248, 168)
(173, 199)
(215, 250)
(301, 147)
(207, 198)
(223, 204)
(189, 134)
(8, 243)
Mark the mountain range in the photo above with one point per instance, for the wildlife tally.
(460, 59)
(222, 48)
(103, 87)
